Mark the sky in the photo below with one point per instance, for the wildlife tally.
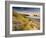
(26, 9)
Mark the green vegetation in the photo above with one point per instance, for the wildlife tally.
(23, 23)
